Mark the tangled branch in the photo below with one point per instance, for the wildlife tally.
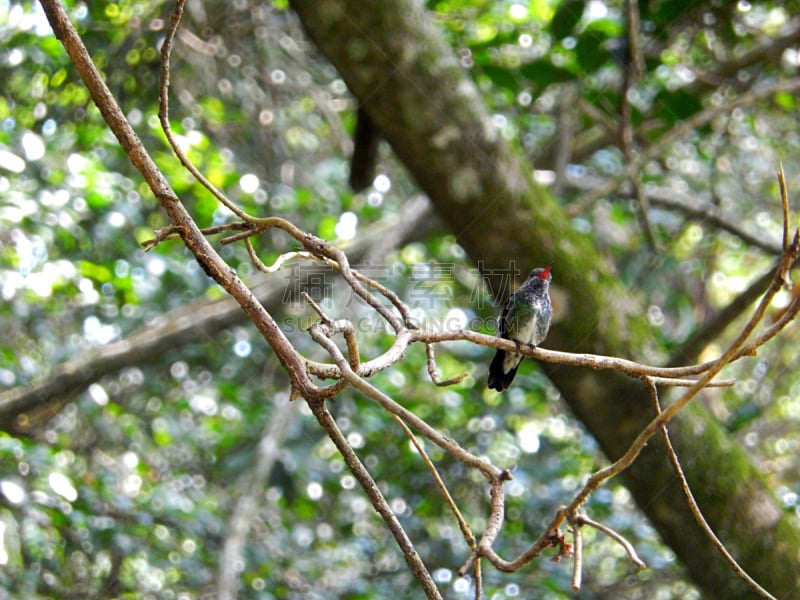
(346, 368)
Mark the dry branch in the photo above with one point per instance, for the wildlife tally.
(349, 370)
(696, 512)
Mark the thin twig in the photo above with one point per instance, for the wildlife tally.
(316, 308)
(448, 498)
(373, 492)
(692, 347)
(165, 233)
(577, 567)
(695, 509)
(434, 372)
(342, 326)
(584, 520)
(163, 114)
(633, 69)
(784, 208)
(279, 262)
(678, 382)
(462, 523)
(322, 248)
(446, 443)
(172, 232)
(636, 64)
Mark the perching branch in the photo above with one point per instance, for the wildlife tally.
(738, 348)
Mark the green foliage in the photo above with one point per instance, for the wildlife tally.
(126, 491)
(566, 17)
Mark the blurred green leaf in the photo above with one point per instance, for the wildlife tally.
(591, 52)
(544, 73)
(786, 101)
(567, 16)
(501, 77)
(676, 105)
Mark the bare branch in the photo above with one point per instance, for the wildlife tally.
(550, 538)
(695, 509)
(633, 68)
(317, 308)
(359, 471)
(448, 498)
(577, 567)
(163, 114)
(434, 372)
(448, 444)
(584, 520)
(666, 381)
(636, 65)
(784, 207)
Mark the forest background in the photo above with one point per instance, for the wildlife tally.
(150, 446)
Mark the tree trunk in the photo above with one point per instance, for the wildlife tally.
(409, 81)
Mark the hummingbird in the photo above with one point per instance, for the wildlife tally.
(526, 320)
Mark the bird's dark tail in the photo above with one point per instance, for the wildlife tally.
(498, 379)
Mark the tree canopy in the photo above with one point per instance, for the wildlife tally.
(167, 429)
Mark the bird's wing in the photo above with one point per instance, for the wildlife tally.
(503, 321)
